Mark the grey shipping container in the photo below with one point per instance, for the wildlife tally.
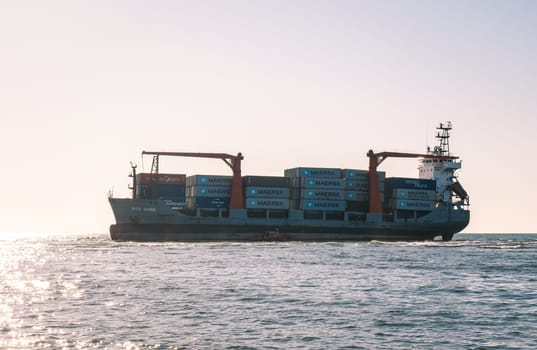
(208, 202)
(361, 185)
(208, 191)
(358, 195)
(267, 192)
(411, 204)
(316, 182)
(266, 203)
(326, 205)
(313, 172)
(266, 181)
(319, 193)
(404, 193)
(357, 174)
(209, 180)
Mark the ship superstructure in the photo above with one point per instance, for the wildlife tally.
(442, 169)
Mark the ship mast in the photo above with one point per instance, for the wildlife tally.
(443, 140)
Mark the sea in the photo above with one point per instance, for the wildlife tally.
(85, 291)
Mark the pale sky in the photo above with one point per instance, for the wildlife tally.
(85, 86)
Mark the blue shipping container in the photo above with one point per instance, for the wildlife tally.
(411, 184)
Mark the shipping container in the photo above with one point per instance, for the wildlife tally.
(267, 192)
(357, 206)
(361, 185)
(357, 174)
(266, 203)
(412, 204)
(357, 195)
(313, 182)
(313, 172)
(208, 191)
(209, 180)
(144, 191)
(325, 205)
(208, 202)
(169, 179)
(169, 190)
(317, 193)
(410, 183)
(426, 195)
(155, 191)
(266, 181)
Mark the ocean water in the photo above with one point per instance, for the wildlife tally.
(86, 291)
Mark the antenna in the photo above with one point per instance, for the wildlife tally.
(133, 175)
(443, 139)
(427, 138)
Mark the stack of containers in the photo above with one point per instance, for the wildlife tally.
(208, 191)
(169, 187)
(357, 189)
(266, 192)
(410, 194)
(317, 189)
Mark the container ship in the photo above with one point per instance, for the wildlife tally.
(305, 204)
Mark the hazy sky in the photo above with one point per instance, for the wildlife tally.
(85, 86)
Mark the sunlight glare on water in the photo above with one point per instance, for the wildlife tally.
(85, 291)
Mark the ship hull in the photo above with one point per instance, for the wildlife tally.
(210, 232)
(138, 220)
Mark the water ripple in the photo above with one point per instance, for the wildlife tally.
(87, 292)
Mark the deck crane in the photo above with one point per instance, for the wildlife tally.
(233, 161)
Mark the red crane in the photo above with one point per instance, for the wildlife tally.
(375, 204)
(234, 162)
